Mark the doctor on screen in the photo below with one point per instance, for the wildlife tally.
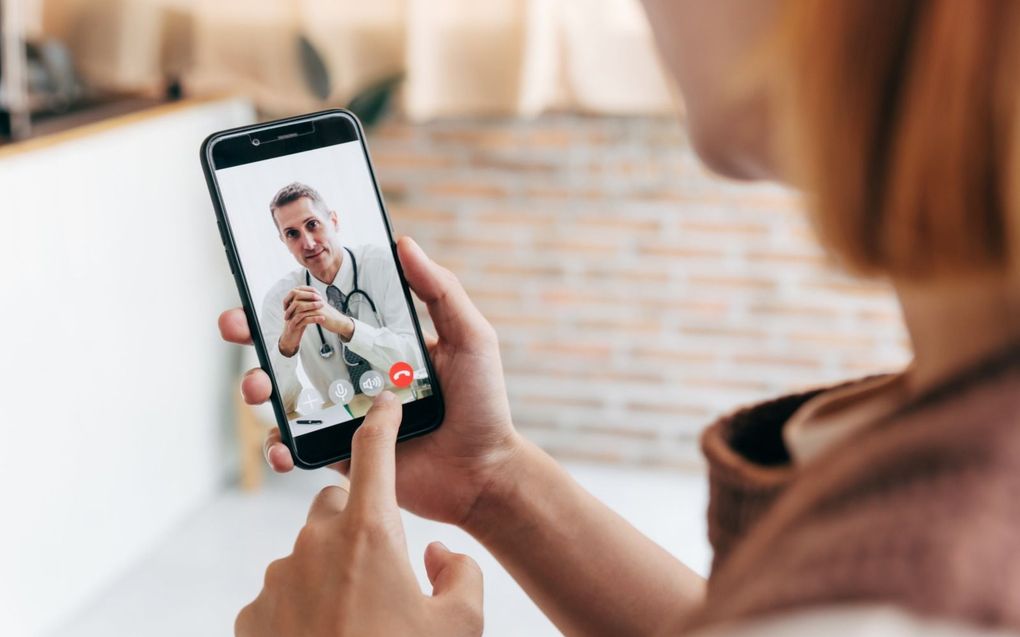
(342, 313)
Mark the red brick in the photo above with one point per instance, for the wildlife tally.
(620, 326)
(413, 214)
(680, 252)
(471, 244)
(396, 160)
(687, 306)
(854, 288)
(888, 317)
(665, 355)
(517, 319)
(465, 190)
(725, 228)
(491, 139)
(832, 339)
(571, 296)
(783, 311)
(667, 408)
(523, 270)
(763, 256)
(774, 360)
(725, 331)
(538, 367)
(724, 384)
(590, 350)
(559, 400)
(542, 192)
(749, 283)
(622, 224)
(495, 294)
(626, 274)
(623, 432)
(557, 246)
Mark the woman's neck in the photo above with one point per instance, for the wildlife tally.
(954, 325)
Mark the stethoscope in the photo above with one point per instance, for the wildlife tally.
(327, 350)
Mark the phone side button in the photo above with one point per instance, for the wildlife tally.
(230, 262)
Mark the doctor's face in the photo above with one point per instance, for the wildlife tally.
(309, 233)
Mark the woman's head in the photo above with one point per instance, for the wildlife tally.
(897, 118)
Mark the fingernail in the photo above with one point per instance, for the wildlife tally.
(384, 398)
(442, 546)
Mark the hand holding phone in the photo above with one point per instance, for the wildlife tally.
(473, 448)
(310, 246)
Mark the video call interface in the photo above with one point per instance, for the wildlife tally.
(313, 246)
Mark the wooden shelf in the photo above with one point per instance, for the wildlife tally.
(84, 115)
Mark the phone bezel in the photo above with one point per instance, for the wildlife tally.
(289, 136)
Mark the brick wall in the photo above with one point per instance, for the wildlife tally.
(636, 296)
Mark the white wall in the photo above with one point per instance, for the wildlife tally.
(115, 386)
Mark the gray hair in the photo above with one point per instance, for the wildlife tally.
(294, 191)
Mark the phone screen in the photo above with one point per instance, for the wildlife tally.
(308, 229)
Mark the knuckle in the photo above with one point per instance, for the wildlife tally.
(331, 491)
(364, 529)
(483, 333)
(243, 620)
(371, 525)
(275, 575)
(467, 563)
(449, 279)
(371, 431)
(488, 332)
(308, 539)
(330, 497)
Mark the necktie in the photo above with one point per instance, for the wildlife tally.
(356, 365)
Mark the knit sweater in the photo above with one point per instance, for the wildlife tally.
(920, 510)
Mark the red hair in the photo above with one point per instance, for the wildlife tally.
(901, 115)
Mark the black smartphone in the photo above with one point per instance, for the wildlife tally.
(310, 246)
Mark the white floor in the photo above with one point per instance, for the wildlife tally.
(197, 580)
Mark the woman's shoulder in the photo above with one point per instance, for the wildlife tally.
(916, 510)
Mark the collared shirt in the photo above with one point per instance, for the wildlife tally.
(381, 345)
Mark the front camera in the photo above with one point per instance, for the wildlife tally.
(255, 141)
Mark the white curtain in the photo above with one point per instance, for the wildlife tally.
(458, 57)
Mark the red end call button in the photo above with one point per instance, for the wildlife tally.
(401, 374)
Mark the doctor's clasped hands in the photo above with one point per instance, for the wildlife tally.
(303, 307)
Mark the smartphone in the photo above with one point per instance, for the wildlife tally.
(310, 246)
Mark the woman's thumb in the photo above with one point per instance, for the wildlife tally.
(453, 574)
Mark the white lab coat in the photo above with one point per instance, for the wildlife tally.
(380, 346)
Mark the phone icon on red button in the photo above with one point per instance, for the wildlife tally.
(401, 374)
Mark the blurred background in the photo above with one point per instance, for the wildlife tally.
(535, 147)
